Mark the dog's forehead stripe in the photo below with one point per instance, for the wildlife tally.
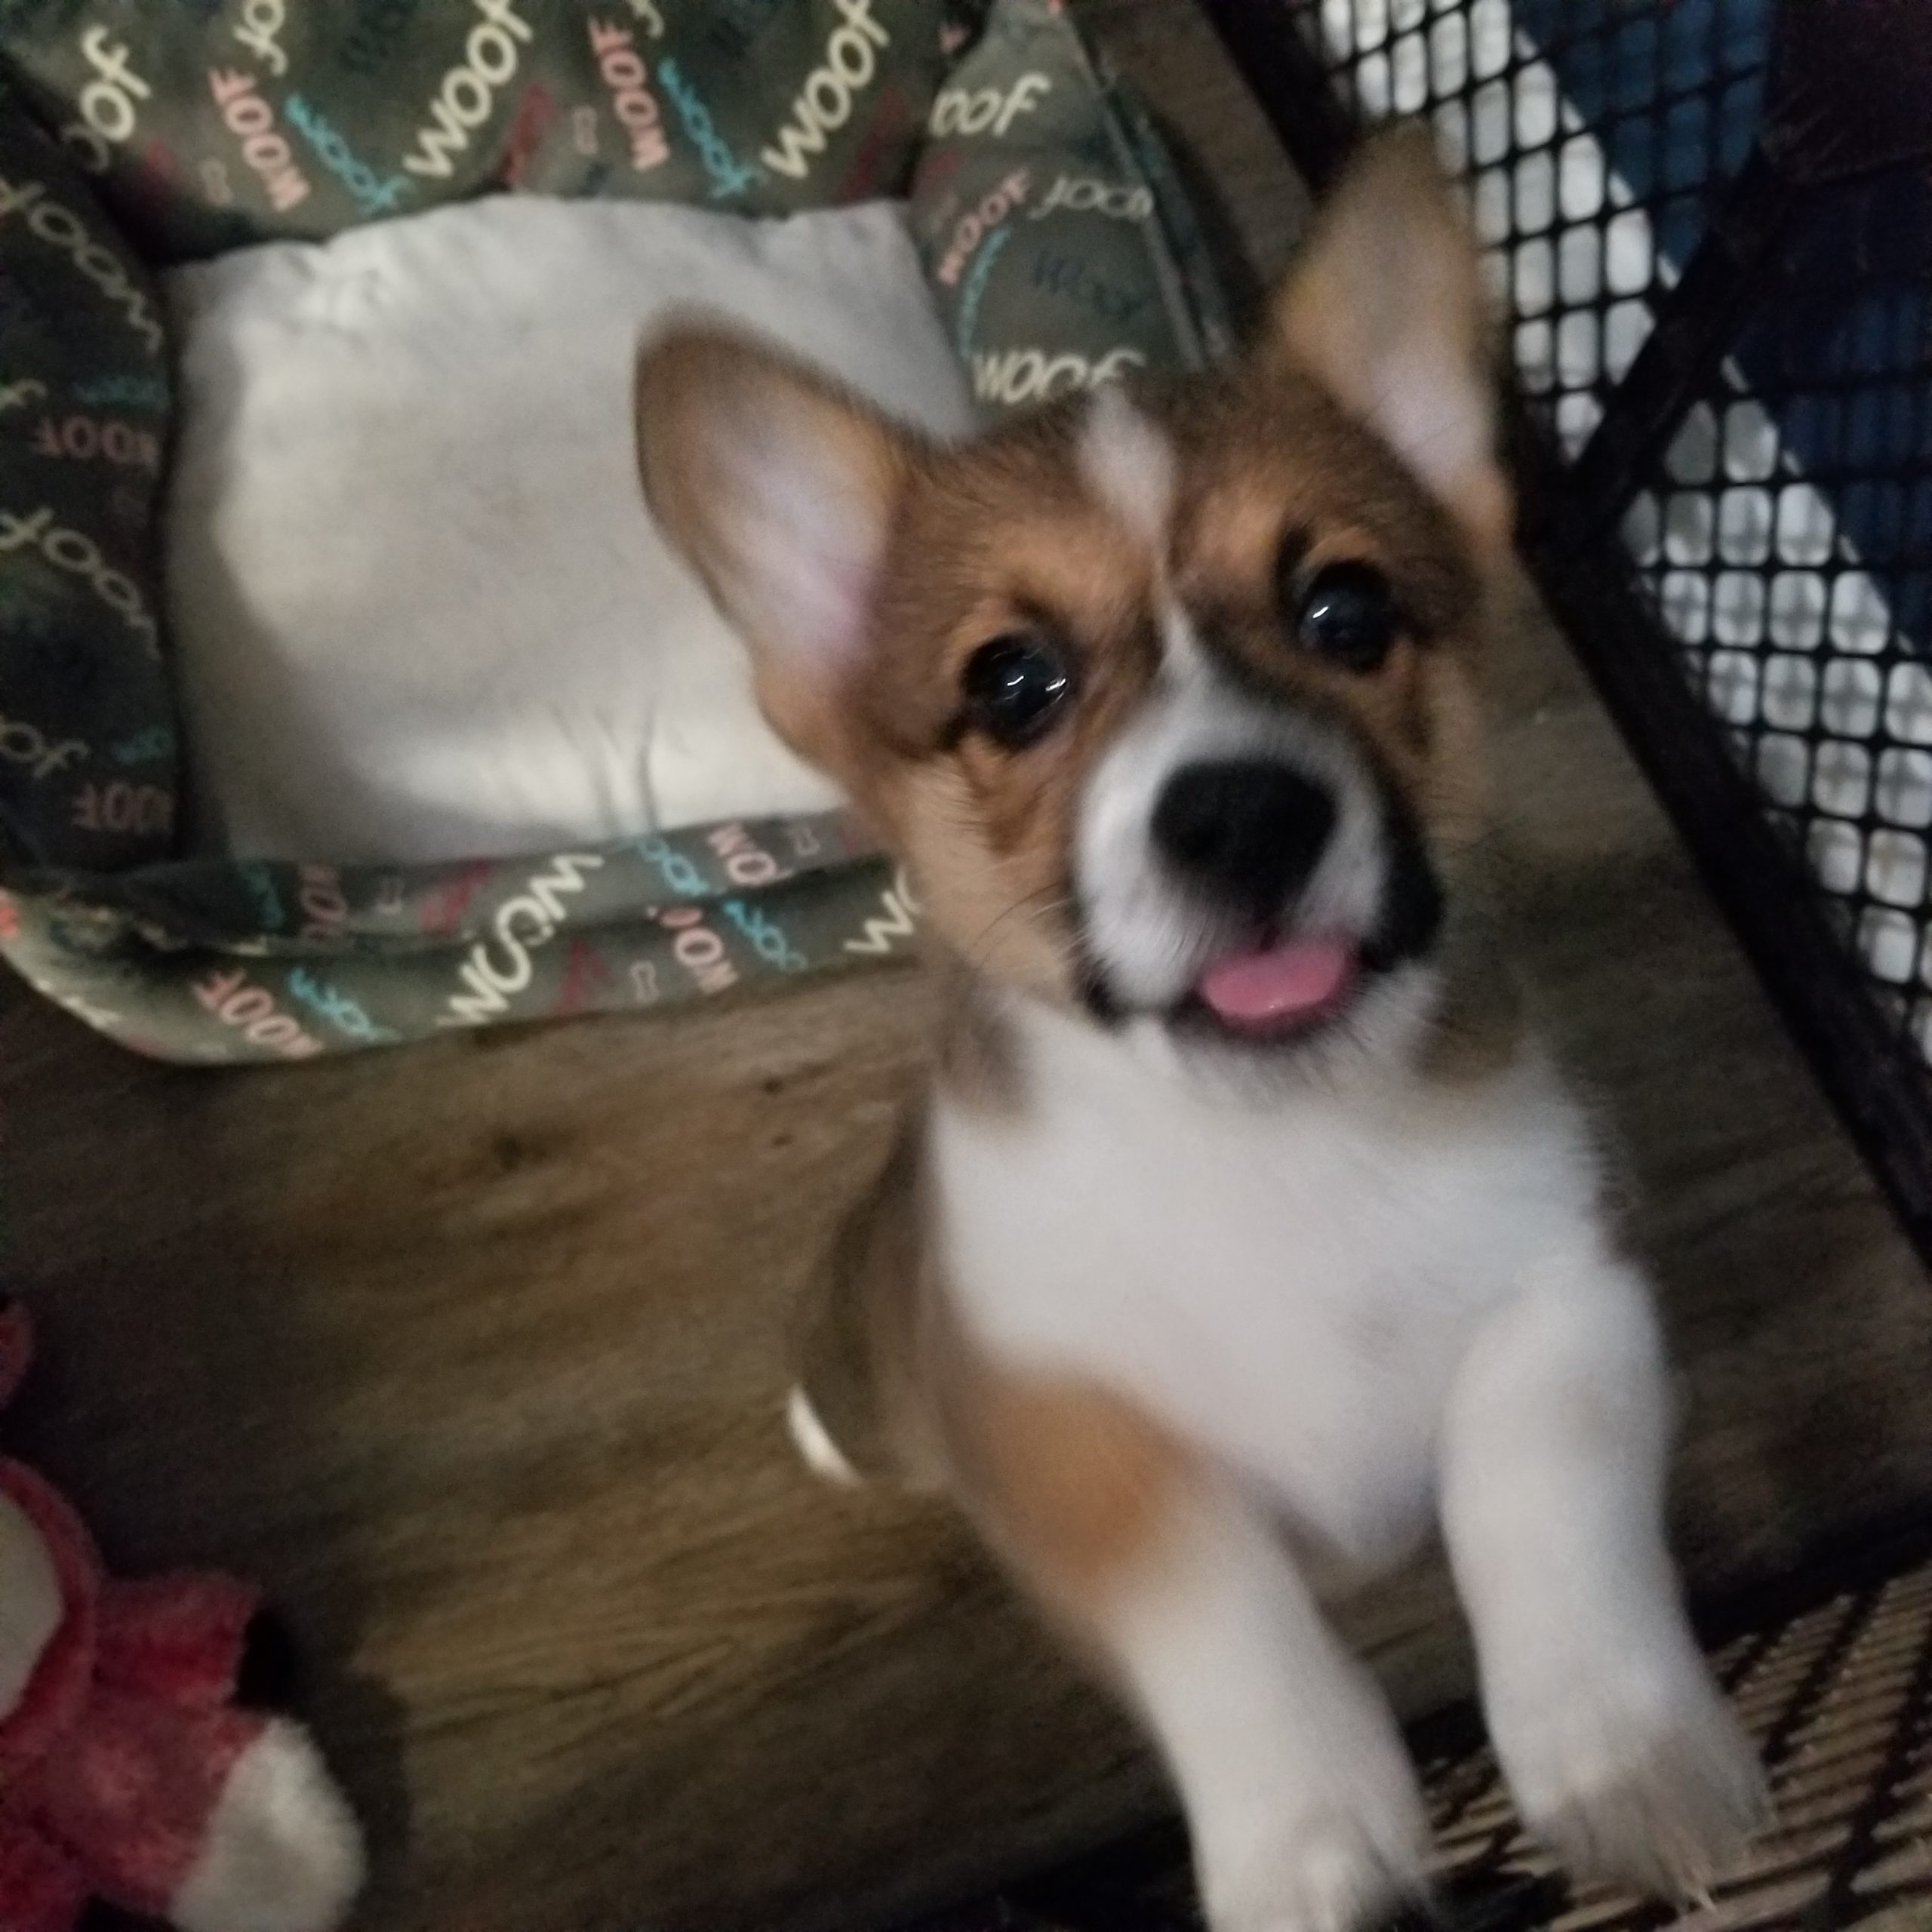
(1180, 641)
(1129, 465)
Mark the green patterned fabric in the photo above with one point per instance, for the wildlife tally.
(1059, 249)
(207, 126)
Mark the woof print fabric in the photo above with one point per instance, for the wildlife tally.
(207, 127)
(1059, 251)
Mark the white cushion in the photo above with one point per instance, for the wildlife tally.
(418, 609)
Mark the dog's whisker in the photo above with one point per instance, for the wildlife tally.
(1044, 900)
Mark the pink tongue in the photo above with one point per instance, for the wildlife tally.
(1257, 988)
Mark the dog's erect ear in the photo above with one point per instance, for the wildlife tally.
(1386, 309)
(779, 488)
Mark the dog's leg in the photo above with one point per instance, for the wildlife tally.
(1301, 1800)
(1616, 1742)
(855, 1412)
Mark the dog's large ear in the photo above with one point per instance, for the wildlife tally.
(779, 488)
(1386, 309)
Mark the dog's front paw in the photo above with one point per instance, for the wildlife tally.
(1643, 1776)
(1338, 1864)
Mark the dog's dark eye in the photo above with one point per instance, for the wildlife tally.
(1346, 614)
(1014, 687)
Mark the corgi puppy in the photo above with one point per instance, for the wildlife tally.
(1245, 1235)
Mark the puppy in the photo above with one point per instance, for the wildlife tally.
(1245, 1235)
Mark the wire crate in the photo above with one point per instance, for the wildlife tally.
(1709, 225)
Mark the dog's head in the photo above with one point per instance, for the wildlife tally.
(1164, 695)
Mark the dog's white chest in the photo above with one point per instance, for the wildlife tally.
(1289, 1286)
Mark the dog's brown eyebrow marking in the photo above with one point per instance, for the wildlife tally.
(1291, 553)
(1213, 627)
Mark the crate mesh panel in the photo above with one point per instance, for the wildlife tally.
(1592, 133)
(1797, 581)
(1791, 552)
(1785, 538)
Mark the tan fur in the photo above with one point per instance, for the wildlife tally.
(1071, 1484)
(977, 1059)
(1477, 1027)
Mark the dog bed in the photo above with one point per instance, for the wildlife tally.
(1057, 250)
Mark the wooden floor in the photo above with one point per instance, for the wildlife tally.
(475, 1352)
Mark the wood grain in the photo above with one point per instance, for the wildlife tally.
(475, 1352)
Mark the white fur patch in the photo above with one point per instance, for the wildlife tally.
(1129, 465)
(29, 1600)
(282, 1852)
(1180, 645)
(1289, 1281)
(814, 1442)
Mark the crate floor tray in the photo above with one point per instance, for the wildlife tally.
(1834, 1680)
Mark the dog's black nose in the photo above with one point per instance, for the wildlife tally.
(1248, 830)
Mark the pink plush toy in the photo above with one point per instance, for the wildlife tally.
(128, 1770)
